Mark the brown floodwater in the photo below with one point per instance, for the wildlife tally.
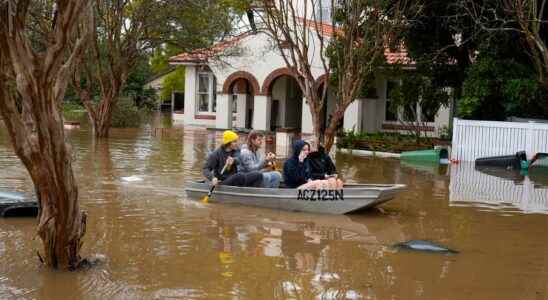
(159, 244)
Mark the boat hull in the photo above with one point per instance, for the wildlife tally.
(350, 199)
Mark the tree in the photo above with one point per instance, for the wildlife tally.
(349, 54)
(417, 101)
(501, 83)
(125, 31)
(528, 18)
(35, 69)
(174, 81)
(118, 40)
(441, 41)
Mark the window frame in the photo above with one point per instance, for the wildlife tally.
(211, 93)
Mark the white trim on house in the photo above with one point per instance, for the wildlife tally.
(260, 61)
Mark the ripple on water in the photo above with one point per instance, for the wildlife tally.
(159, 244)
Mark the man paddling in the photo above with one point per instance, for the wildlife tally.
(221, 165)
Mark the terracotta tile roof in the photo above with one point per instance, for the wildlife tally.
(397, 57)
(392, 57)
(325, 29)
(202, 55)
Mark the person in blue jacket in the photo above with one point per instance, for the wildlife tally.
(296, 168)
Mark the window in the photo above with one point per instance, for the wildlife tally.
(391, 109)
(207, 96)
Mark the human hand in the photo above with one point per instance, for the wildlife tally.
(302, 156)
(229, 161)
(214, 181)
(270, 156)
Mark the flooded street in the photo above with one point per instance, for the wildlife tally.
(159, 244)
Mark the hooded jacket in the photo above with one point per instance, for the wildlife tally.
(320, 164)
(296, 173)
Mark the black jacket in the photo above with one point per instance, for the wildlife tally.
(320, 164)
(296, 173)
(216, 161)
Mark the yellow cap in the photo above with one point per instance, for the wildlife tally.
(229, 136)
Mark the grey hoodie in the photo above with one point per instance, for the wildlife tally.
(250, 161)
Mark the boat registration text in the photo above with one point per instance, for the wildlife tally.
(320, 195)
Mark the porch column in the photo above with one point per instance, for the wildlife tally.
(353, 116)
(224, 111)
(261, 112)
(190, 94)
(241, 109)
(172, 101)
(307, 125)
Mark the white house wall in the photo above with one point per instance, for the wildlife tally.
(257, 55)
(190, 99)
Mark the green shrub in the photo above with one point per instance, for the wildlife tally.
(73, 111)
(127, 115)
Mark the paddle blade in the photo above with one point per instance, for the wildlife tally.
(205, 199)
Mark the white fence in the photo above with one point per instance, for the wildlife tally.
(475, 139)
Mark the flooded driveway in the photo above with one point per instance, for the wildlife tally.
(159, 244)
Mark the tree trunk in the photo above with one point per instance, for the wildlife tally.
(61, 223)
(32, 88)
(48, 160)
(101, 117)
(331, 130)
(316, 121)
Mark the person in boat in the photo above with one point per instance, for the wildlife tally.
(296, 168)
(321, 165)
(227, 157)
(297, 171)
(251, 161)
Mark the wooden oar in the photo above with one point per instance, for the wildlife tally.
(206, 197)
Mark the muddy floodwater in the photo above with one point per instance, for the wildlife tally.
(160, 245)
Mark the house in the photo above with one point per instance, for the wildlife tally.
(244, 82)
(175, 103)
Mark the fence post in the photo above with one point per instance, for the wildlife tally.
(529, 147)
(454, 139)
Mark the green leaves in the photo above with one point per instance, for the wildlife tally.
(174, 81)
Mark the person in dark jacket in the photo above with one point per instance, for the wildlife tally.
(226, 157)
(296, 168)
(320, 163)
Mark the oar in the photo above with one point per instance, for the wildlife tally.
(206, 197)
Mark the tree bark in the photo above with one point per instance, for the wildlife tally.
(102, 119)
(32, 87)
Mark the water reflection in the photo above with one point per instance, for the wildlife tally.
(159, 244)
(497, 189)
(299, 246)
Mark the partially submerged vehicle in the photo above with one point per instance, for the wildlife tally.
(14, 204)
(352, 198)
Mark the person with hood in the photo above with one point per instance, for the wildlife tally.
(298, 174)
(221, 165)
(251, 160)
(296, 168)
(321, 165)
